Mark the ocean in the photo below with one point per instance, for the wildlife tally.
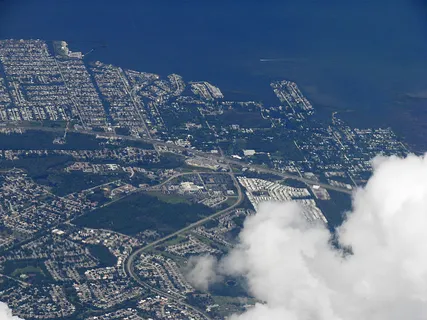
(368, 57)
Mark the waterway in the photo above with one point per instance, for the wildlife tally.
(367, 56)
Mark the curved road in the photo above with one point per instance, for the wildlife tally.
(196, 152)
(128, 264)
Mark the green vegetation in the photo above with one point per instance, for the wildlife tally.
(139, 212)
(137, 144)
(261, 175)
(48, 170)
(31, 268)
(174, 240)
(246, 204)
(27, 270)
(239, 220)
(46, 123)
(176, 117)
(99, 196)
(294, 183)
(243, 118)
(267, 142)
(64, 183)
(230, 201)
(272, 141)
(229, 305)
(335, 209)
(169, 198)
(37, 167)
(167, 161)
(213, 223)
(33, 139)
(123, 131)
(180, 261)
(140, 178)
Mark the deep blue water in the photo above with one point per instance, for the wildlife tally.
(363, 55)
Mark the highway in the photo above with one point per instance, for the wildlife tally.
(128, 264)
(195, 152)
(135, 101)
(195, 224)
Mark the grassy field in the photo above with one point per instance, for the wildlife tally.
(229, 305)
(169, 198)
(231, 200)
(27, 270)
(139, 212)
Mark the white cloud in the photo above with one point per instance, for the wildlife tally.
(201, 271)
(6, 313)
(293, 269)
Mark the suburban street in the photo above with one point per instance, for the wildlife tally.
(128, 265)
(198, 153)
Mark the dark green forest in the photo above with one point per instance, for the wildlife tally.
(139, 212)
